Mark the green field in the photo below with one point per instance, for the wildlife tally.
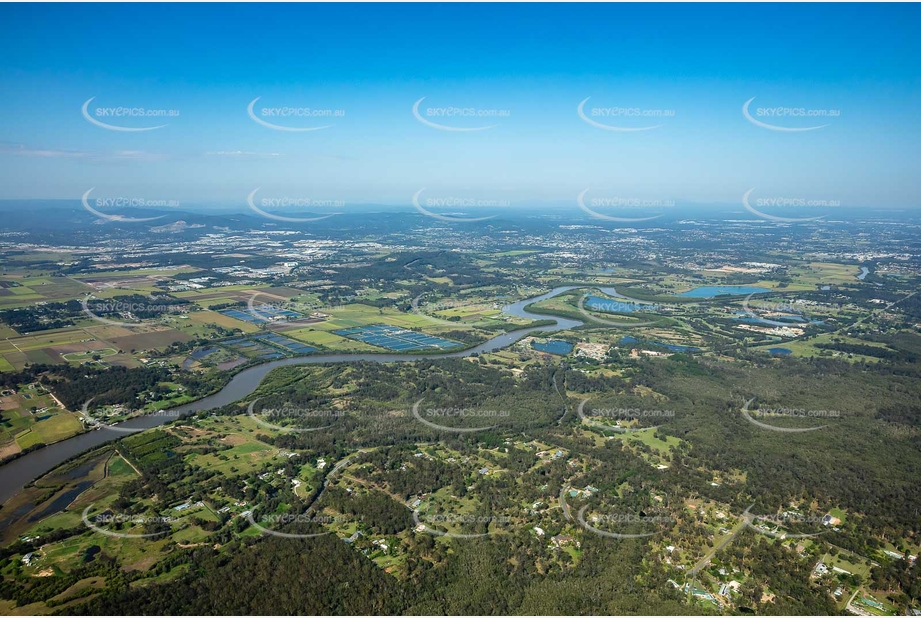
(80, 356)
(50, 430)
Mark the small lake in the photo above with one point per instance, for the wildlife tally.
(554, 346)
(712, 291)
(203, 352)
(780, 351)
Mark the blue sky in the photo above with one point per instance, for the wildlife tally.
(537, 63)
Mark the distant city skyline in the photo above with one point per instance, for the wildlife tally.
(629, 106)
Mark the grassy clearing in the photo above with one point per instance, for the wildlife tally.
(54, 429)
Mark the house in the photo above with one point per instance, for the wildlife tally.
(564, 539)
(29, 558)
(538, 530)
(382, 544)
(894, 554)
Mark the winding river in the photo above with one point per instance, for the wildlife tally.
(18, 473)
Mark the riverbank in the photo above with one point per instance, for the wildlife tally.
(20, 472)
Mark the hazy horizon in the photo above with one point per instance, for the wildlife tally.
(647, 107)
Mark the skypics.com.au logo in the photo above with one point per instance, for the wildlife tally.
(781, 522)
(453, 412)
(777, 412)
(269, 523)
(120, 114)
(437, 117)
(456, 202)
(131, 313)
(618, 415)
(589, 306)
(622, 119)
(112, 524)
(124, 202)
(287, 114)
(291, 203)
(784, 114)
(624, 205)
(275, 310)
(788, 205)
(273, 417)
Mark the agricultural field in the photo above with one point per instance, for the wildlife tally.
(31, 416)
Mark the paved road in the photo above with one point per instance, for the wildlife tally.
(746, 520)
(329, 477)
(563, 502)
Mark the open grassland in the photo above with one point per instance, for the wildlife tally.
(213, 317)
(53, 429)
(808, 347)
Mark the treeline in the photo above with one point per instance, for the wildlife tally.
(264, 576)
(863, 349)
(48, 316)
(373, 508)
(78, 385)
(386, 467)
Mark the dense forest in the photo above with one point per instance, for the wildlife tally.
(515, 572)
